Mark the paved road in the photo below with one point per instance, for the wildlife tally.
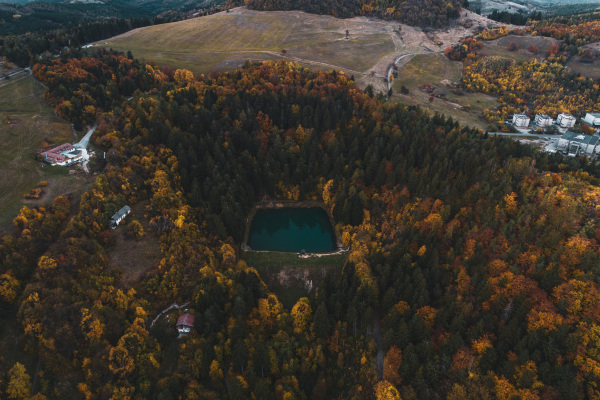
(16, 73)
(525, 135)
(83, 143)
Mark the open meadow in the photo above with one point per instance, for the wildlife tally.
(26, 121)
(224, 41)
(439, 71)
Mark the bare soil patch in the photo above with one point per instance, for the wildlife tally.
(542, 43)
(134, 257)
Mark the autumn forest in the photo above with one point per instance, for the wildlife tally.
(472, 267)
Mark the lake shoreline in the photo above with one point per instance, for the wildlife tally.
(280, 204)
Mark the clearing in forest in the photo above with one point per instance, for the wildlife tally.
(26, 121)
(134, 256)
(442, 74)
(226, 40)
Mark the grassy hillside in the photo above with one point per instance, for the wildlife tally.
(438, 71)
(32, 121)
(226, 40)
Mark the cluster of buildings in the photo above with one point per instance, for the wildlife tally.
(66, 154)
(563, 120)
(572, 144)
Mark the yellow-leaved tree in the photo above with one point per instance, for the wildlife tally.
(386, 391)
(301, 312)
(19, 383)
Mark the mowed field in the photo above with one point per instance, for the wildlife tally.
(438, 71)
(32, 121)
(225, 40)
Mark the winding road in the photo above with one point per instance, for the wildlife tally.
(389, 74)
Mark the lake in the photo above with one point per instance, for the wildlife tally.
(291, 230)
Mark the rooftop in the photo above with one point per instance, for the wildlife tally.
(123, 211)
(185, 319)
(580, 138)
(60, 153)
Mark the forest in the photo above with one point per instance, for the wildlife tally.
(435, 13)
(472, 269)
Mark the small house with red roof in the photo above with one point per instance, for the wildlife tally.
(185, 323)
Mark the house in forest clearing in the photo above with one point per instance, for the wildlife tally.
(565, 120)
(184, 325)
(116, 219)
(520, 120)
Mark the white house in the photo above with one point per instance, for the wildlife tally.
(119, 216)
(543, 120)
(578, 144)
(565, 120)
(520, 120)
(592, 119)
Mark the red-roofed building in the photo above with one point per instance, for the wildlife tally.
(65, 154)
(185, 323)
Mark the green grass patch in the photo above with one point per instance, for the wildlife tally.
(32, 121)
(438, 70)
(55, 170)
(518, 56)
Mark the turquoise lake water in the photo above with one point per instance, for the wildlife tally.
(291, 230)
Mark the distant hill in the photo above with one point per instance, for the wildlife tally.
(551, 7)
(24, 16)
(436, 13)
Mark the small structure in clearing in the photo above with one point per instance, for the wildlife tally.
(184, 325)
(116, 219)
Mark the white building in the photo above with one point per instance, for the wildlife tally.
(543, 120)
(578, 144)
(592, 119)
(64, 155)
(565, 120)
(116, 219)
(520, 120)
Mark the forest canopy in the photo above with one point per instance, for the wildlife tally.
(472, 264)
(436, 13)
